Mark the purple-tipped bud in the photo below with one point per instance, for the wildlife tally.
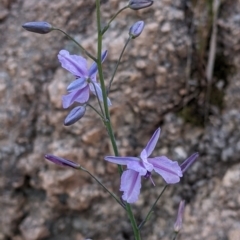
(139, 4)
(75, 114)
(188, 162)
(136, 29)
(38, 27)
(179, 221)
(61, 161)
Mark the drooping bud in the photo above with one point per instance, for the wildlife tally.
(139, 4)
(188, 162)
(74, 115)
(38, 27)
(179, 221)
(136, 29)
(61, 161)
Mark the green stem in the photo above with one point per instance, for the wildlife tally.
(102, 117)
(151, 209)
(118, 62)
(112, 194)
(97, 97)
(104, 92)
(133, 222)
(79, 45)
(107, 115)
(108, 25)
(175, 236)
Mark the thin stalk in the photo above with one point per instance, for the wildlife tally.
(133, 222)
(94, 109)
(104, 92)
(175, 236)
(211, 57)
(108, 25)
(151, 209)
(100, 105)
(118, 62)
(107, 114)
(112, 194)
(79, 45)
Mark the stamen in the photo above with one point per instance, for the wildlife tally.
(152, 181)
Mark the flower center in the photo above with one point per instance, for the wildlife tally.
(88, 80)
(149, 175)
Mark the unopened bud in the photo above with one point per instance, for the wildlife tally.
(38, 27)
(136, 29)
(179, 221)
(74, 115)
(189, 162)
(139, 4)
(61, 161)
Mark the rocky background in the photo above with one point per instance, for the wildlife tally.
(162, 81)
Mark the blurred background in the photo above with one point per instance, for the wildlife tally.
(182, 74)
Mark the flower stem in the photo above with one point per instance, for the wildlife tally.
(104, 92)
(93, 108)
(107, 115)
(136, 231)
(175, 236)
(112, 194)
(100, 105)
(115, 15)
(79, 45)
(152, 207)
(118, 62)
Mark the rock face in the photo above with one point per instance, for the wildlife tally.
(160, 82)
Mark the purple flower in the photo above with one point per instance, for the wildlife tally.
(79, 90)
(179, 221)
(143, 166)
(61, 161)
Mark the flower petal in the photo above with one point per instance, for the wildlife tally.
(80, 96)
(121, 160)
(93, 69)
(77, 84)
(138, 166)
(76, 65)
(168, 169)
(152, 142)
(130, 185)
(133, 163)
(146, 164)
(98, 92)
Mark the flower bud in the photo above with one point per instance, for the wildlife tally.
(75, 114)
(136, 29)
(179, 221)
(139, 4)
(61, 161)
(188, 162)
(38, 27)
